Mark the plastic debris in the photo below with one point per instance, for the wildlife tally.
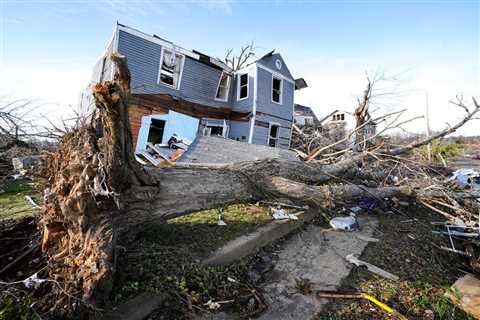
(220, 222)
(30, 200)
(281, 214)
(367, 203)
(356, 209)
(348, 223)
(361, 295)
(33, 281)
(466, 178)
(212, 305)
(370, 267)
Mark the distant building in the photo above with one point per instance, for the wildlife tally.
(304, 116)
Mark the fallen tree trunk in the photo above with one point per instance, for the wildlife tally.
(97, 192)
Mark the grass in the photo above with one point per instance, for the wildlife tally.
(167, 260)
(13, 204)
(409, 250)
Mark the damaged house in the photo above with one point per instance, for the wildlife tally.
(187, 93)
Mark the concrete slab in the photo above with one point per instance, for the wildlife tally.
(319, 260)
(137, 308)
(248, 244)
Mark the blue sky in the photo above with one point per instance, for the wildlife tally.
(47, 48)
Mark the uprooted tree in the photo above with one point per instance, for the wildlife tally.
(97, 192)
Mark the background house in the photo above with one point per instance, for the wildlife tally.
(304, 115)
(183, 92)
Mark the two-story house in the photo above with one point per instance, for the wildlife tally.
(183, 92)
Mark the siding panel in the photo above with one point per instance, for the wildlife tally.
(198, 83)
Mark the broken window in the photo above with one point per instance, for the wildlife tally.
(223, 87)
(273, 135)
(276, 90)
(217, 131)
(243, 86)
(170, 68)
(155, 133)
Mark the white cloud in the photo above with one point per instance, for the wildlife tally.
(56, 89)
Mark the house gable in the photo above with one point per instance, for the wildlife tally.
(275, 62)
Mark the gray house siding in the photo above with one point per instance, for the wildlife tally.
(244, 105)
(264, 96)
(260, 133)
(269, 62)
(239, 130)
(198, 82)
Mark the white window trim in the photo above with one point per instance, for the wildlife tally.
(228, 86)
(224, 125)
(238, 86)
(174, 52)
(270, 124)
(281, 89)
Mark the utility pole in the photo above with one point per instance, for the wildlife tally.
(427, 128)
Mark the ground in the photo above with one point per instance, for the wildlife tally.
(13, 204)
(411, 251)
(168, 255)
(167, 261)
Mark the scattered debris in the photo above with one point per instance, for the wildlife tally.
(466, 178)
(349, 223)
(282, 214)
(465, 293)
(220, 221)
(368, 203)
(30, 200)
(33, 281)
(25, 164)
(361, 295)
(370, 267)
(163, 155)
(356, 209)
(283, 204)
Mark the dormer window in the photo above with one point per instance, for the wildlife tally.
(223, 87)
(243, 86)
(277, 90)
(171, 65)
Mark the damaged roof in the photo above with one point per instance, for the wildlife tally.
(226, 151)
(190, 53)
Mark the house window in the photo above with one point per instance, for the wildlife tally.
(243, 86)
(155, 133)
(170, 68)
(216, 131)
(273, 132)
(223, 87)
(276, 90)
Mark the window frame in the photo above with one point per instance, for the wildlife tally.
(159, 78)
(277, 139)
(239, 86)
(280, 96)
(229, 77)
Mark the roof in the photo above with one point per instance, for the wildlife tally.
(194, 54)
(301, 110)
(226, 151)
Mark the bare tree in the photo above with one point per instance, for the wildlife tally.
(237, 62)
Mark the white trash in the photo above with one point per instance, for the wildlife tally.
(345, 223)
(466, 178)
(281, 214)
